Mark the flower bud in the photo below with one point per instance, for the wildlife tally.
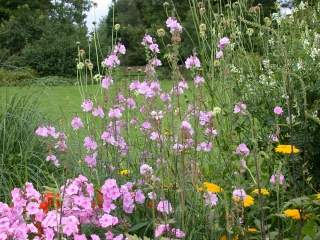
(117, 27)
(161, 32)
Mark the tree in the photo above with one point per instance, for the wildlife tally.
(8, 7)
(44, 38)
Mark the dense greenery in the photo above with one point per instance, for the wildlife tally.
(42, 34)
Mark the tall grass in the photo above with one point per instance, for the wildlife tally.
(21, 154)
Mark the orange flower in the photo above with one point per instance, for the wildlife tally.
(50, 200)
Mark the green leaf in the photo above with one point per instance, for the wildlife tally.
(138, 226)
(309, 228)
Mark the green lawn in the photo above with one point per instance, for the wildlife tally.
(56, 102)
(59, 103)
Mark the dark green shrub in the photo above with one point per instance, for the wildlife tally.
(16, 77)
(52, 81)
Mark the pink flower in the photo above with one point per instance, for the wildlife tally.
(173, 25)
(146, 170)
(131, 103)
(139, 196)
(91, 160)
(223, 42)
(192, 62)
(154, 48)
(110, 189)
(87, 105)
(205, 117)
(157, 115)
(90, 144)
(178, 233)
(119, 48)
(42, 132)
(211, 199)
(94, 237)
(106, 82)
(161, 229)
(240, 107)
(219, 54)
(278, 110)
(76, 123)
(111, 61)
(147, 40)
(108, 220)
(52, 158)
(277, 178)
(80, 237)
(243, 150)
(155, 62)
(204, 147)
(239, 193)
(198, 81)
(33, 208)
(187, 128)
(119, 237)
(164, 207)
(98, 112)
(115, 113)
(70, 225)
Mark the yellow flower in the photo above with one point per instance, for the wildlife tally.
(286, 149)
(248, 201)
(124, 172)
(263, 191)
(318, 196)
(292, 213)
(252, 230)
(211, 187)
(224, 237)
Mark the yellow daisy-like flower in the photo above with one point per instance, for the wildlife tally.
(248, 201)
(292, 213)
(286, 149)
(263, 191)
(318, 196)
(252, 230)
(124, 172)
(211, 187)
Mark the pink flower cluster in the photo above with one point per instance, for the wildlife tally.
(146, 89)
(25, 218)
(163, 229)
(56, 141)
(239, 193)
(87, 106)
(20, 219)
(192, 62)
(149, 42)
(223, 42)
(242, 150)
(112, 135)
(173, 24)
(76, 123)
(113, 60)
